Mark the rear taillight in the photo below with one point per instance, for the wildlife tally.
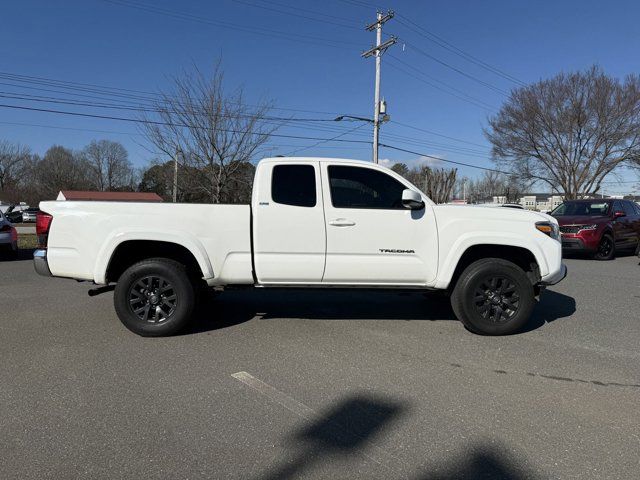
(43, 223)
(12, 230)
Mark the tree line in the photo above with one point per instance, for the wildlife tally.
(102, 165)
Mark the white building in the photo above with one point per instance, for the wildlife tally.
(541, 202)
(528, 202)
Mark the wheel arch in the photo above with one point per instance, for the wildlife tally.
(118, 255)
(519, 255)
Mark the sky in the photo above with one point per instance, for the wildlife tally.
(305, 57)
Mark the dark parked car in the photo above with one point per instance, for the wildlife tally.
(8, 236)
(599, 227)
(13, 215)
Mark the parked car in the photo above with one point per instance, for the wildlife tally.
(14, 214)
(29, 215)
(599, 227)
(8, 236)
(312, 223)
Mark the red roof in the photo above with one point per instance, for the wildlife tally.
(111, 196)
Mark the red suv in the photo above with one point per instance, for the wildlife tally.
(599, 227)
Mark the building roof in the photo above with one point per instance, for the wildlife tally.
(109, 196)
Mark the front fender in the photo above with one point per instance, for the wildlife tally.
(186, 240)
(454, 253)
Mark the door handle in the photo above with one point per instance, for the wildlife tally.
(341, 222)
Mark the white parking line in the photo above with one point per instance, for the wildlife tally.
(376, 454)
(274, 394)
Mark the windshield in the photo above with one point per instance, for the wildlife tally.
(592, 209)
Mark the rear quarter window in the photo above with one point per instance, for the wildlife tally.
(294, 185)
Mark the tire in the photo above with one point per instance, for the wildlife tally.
(154, 297)
(493, 297)
(603, 252)
(9, 250)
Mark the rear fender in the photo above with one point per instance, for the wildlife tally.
(185, 240)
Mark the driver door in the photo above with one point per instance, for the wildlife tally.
(371, 238)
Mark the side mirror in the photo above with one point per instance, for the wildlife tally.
(618, 214)
(412, 199)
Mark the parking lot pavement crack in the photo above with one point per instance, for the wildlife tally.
(569, 379)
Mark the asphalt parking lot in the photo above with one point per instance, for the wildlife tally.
(316, 384)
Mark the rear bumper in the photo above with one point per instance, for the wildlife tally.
(40, 263)
(5, 238)
(555, 278)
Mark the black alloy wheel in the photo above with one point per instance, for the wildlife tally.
(152, 299)
(493, 296)
(496, 299)
(606, 248)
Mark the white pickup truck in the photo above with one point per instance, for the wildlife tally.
(312, 222)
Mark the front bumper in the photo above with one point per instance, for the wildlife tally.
(40, 263)
(557, 278)
(585, 241)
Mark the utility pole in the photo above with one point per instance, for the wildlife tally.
(377, 51)
(175, 176)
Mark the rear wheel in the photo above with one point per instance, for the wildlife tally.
(493, 297)
(154, 297)
(606, 248)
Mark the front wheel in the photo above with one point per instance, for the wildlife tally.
(493, 297)
(606, 248)
(154, 297)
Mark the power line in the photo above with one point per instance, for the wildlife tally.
(457, 70)
(136, 105)
(435, 133)
(459, 95)
(104, 90)
(232, 26)
(38, 98)
(298, 15)
(57, 127)
(265, 119)
(445, 160)
(422, 31)
(324, 141)
(108, 117)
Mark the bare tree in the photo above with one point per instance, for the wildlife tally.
(210, 130)
(570, 131)
(439, 183)
(15, 161)
(495, 184)
(61, 169)
(110, 165)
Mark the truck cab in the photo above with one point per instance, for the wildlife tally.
(341, 223)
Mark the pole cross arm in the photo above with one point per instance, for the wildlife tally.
(374, 25)
(380, 48)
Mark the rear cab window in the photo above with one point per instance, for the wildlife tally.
(294, 185)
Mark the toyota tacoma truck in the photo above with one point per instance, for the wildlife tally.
(312, 222)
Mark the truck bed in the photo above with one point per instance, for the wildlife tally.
(84, 235)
